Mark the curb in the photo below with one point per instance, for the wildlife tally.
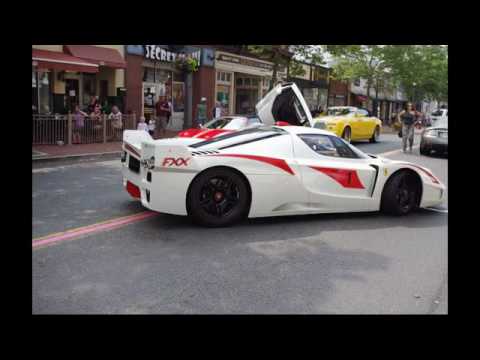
(76, 156)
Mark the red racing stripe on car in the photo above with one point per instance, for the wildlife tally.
(132, 149)
(208, 134)
(429, 174)
(280, 163)
(346, 178)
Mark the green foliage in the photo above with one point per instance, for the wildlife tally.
(421, 70)
(284, 55)
(187, 64)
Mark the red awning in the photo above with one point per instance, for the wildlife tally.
(97, 55)
(44, 59)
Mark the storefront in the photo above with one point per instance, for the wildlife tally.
(66, 75)
(240, 82)
(313, 84)
(152, 75)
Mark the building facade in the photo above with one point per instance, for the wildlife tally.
(313, 84)
(338, 94)
(65, 75)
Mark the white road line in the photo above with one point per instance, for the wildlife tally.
(444, 211)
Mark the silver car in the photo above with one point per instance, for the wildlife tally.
(434, 139)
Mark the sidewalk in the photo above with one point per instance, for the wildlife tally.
(45, 152)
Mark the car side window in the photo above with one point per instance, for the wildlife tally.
(361, 112)
(328, 146)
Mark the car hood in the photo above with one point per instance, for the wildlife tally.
(327, 119)
(284, 103)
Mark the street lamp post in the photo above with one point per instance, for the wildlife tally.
(414, 92)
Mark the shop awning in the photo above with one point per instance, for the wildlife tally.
(97, 55)
(44, 59)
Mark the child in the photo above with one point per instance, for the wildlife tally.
(142, 125)
(151, 127)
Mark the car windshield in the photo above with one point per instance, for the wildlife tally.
(338, 111)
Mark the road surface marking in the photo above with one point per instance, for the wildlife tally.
(89, 229)
(445, 211)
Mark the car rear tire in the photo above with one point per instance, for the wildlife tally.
(376, 135)
(218, 197)
(401, 194)
(347, 134)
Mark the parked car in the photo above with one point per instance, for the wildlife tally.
(439, 118)
(222, 125)
(434, 139)
(350, 123)
(284, 107)
(270, 171)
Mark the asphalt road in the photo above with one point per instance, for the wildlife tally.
(321, 264)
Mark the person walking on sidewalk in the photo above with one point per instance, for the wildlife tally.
(408, 119)
(202, 112)
(79, 124)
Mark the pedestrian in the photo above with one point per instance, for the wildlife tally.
(78, 124)
(169, 106)
(106, 109)
(96, 119)
(116, 121)
(202, 111)
(163, 112)
(408, 120)
(217, 110)
(93, 103)
(142, 125)
(151, 127)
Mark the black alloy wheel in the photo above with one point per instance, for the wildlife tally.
(218, 197)
(400, 195)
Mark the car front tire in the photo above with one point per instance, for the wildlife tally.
(401, 194)
(218, 197)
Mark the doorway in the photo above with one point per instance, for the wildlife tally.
(72, 94)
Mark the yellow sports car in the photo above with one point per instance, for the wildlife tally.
(350, 123)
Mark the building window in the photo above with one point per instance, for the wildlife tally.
(34, 92)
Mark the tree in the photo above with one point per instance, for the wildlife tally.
(421, 70)
(359, 61)
(285, 56)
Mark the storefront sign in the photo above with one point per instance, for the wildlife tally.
(246, 62)
(155, 52)
(135, 49)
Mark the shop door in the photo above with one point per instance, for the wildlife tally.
(72, 95)
(150, 98)
(178, 104)
(103, 90)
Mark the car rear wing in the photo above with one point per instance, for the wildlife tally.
(132, 140)
(167, 157)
